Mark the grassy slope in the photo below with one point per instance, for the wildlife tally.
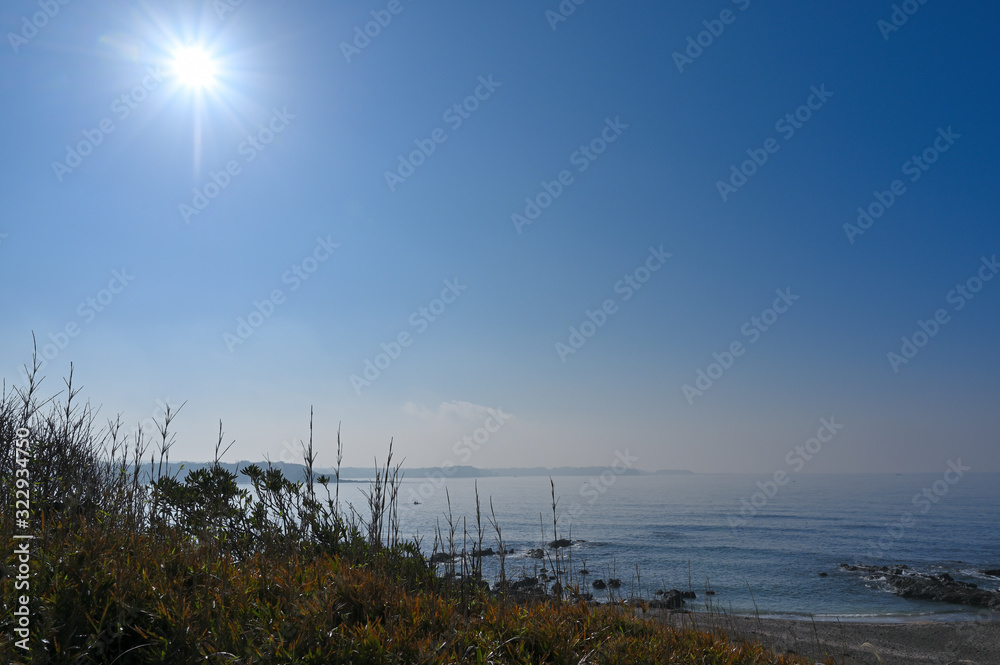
(99, 595)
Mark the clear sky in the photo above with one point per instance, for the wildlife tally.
(625, 227)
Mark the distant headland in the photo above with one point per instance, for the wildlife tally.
(357, 473)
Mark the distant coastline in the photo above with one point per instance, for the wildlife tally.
(360, 474)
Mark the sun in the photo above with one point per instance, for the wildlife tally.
(194, 67)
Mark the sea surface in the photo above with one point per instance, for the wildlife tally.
(687, 532)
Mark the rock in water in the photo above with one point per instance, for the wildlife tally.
(671, 600)
(942, 587)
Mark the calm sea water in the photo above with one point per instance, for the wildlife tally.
(673, 527)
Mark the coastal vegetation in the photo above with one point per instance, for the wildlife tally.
(128, 563)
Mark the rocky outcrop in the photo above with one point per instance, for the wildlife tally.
(444, 557)
(526, 583)
(942, 587)
(670, 600)
(995, 572)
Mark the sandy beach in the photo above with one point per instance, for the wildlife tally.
(862, 643)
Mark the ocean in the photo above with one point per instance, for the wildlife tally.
(760, 546)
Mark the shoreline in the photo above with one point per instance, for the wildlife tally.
(917, 640)
(938, 617)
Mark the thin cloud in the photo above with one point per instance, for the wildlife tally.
(455, 411)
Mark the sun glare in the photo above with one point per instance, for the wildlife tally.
(194, 67)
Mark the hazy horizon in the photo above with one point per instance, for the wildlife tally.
(720, 237)
(364, 472)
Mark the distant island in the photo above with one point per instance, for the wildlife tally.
(359, 474)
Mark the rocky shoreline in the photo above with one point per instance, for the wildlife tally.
(914, 642)
(908, 583)
(898, 579)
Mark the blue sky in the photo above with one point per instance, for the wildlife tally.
(308, 118)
